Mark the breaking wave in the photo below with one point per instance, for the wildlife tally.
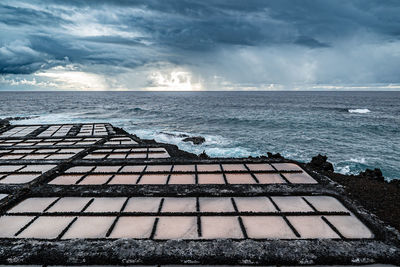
(358, 160)
(359, 110)
(343, 169)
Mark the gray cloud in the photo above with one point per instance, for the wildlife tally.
(241, 42)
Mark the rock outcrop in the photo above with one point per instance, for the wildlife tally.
(321, 162)
(197, 140)
(375, 174)
(4, 123)
(274, 156)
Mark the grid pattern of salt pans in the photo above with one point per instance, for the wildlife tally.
(50, 142)
(255, 173)
(263, 217)
(56, 131)
(19, 131)
(93, 129)
(19, 174)
(38, 153)
(128, 153)
(182, 265)
(121, 141)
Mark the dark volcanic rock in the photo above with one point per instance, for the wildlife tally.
(320, 163)
(175, 135)
(197, 140)
(21, 118)
(274, 156)
(4, 123)
(375, 174)
(120, 130)
(395, 182)
(203, 155)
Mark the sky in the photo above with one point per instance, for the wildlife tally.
(200, 45)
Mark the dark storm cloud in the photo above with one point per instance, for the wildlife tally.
(18, 16)
(36, 35)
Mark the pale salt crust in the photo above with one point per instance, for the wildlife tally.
(220, 227)
(128, 153)
(216, 204)
(35, 204)
(124, 179)
(65, 179)
(56, 131)
(292, 204)
(10, 225)
(143, 204)
(208, 168)
(93, 129)
(182, 179)
(211, 178)
(106, 204)
(259, 167)
(93, 179)
(270, 227)
(154, 179)
(47, 227)
(184, 168)
(185, 227)
(185, 174)
(69, 204)
(287, 167)
(89, 227)
(158, 168)
(325, 203)
(240, 178)
(142, 229)
(19, 131)
(300, 178)
(350, 226)
(37, 153)
(312, 227)
(16, 174)
(121, 141)
(177, 265)
(18, 178)
(179, 204)
(254, 204)
(234, 167)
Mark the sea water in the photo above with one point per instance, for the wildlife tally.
(356, 130)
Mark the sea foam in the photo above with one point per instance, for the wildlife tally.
(359, 110)
(359, 160)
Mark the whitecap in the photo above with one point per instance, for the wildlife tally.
(359, 160)
(225, 152)
(359, 110)
(343, 170)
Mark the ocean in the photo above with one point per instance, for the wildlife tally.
(356, 130)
